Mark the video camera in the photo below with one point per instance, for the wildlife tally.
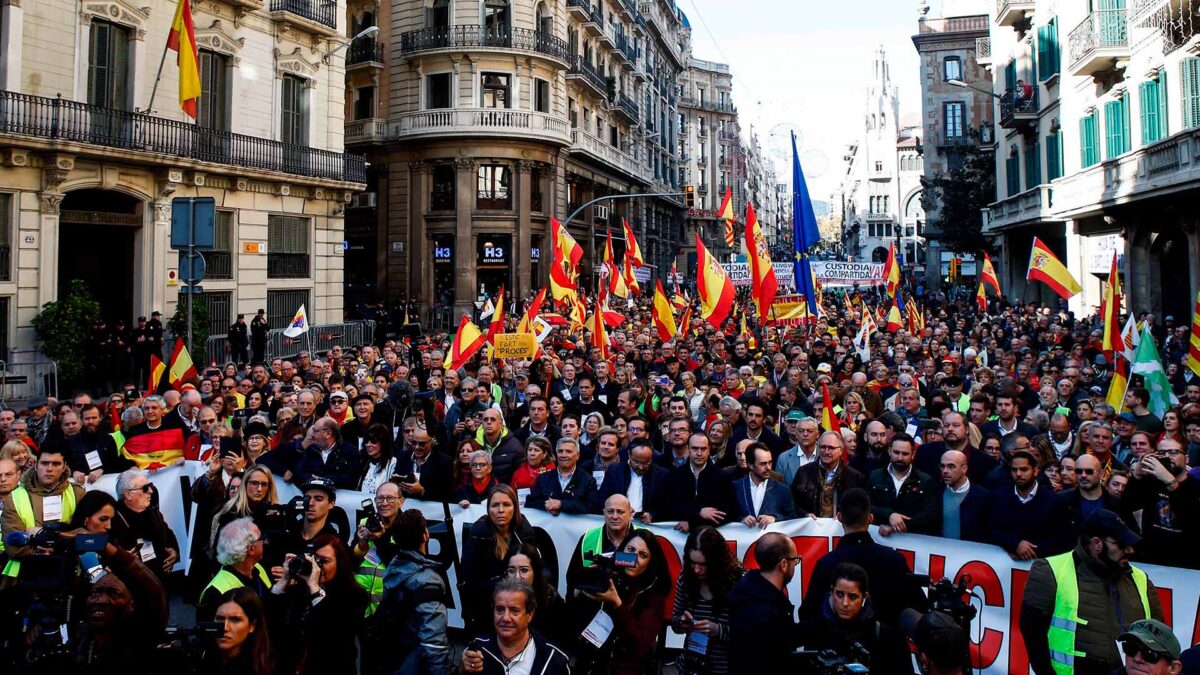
(948, 598)
(854, 658)
(280, 519)
(602, 567)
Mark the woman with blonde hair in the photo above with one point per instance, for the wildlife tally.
(974, 435)
(18, 452)
(252, 500)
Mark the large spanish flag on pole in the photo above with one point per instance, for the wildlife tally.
(664, 314)
(725, 213)
(988, 275)
(891, 271)
(1193, 357)
(1110, 311)
(595, 324)
(631, 246)
(1045, 267)
(182, 39)
(762, 272)
(714, 286)
(467, 341)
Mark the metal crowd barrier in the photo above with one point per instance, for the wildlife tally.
(320, 338)
(21, 381)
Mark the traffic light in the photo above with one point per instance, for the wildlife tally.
(689, 196)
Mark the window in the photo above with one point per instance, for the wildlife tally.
(218, 260)
(535, 193)
(443, 192)
(1049, 52)
(437, 90)
(294, 111)
(1116, 126)
(952, 68)
(495, 90)
(287, 248)
(496, 17)
(1033, 168)
(218, 307)
(108, 66)
(282, 306)
(1010, 75)
(213, 112)
(6, 202)
(954, 119)
(1089, 149)
(541, 96)
(1054, 156)
(438, 16)
(1153, 95)
(878, 166)
(364, 103)
(494, 181)
(1012, 170)
(1189, 70)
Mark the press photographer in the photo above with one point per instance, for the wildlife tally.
(43, 496)
(374, 546)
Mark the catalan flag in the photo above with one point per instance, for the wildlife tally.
(714, 286)
(467, 341)
(181, 369)
(1193, 358)
(725, 213)
(1045, 267)
(182, 39)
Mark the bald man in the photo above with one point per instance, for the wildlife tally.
(1089, 495)
(963, 506)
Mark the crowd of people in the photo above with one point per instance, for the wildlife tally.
(992, 428)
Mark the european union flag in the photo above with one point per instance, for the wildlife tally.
(804, 232)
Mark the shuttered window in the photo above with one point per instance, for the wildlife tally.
(1116, 126)
(1153, 97)
(108, 65)
(294, 111)
(287, 247)
(6, 202)
(1012, 167)
(282, 306)
(1049, 52)
(1054, 156)
(1033, 167)
(1089, 151)
(1189, 69)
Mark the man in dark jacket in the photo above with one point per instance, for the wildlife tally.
(954, 435)
(514, 605)
(407, 634)
(1026, 519)
(963, 505)
(1106, 590)
(639, 479)
(539, 424)
(891, 589)
(819, 486)
(902, 498)
(507, 453)
(239, 340)
(755, 414)
(697, 493)
(431, 470)
(763, 633)
(761, 499)
(326, 456)
(567, 489)
(1088, 495)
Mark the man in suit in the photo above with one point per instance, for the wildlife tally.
(819, 486)
(963, 512)
(697, 493)
(902, 498)
(755, 413)
(563, 490)
(539, 424)
(639, 479)
(761, 499)
(430, 469)
(1026, 519)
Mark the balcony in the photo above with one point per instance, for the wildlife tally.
(474, 36)
(1014, 13)
(625, 52)
(584, 72)
(1027, 208)
(55, 123)
(983, 51)
(588, 15)
(371, 130)
(318, 17)
(1099, 43)
(626, 107)
(608, 37)
(584, 143)
(1019, 109)
(728, 135)
(486, 122)
(365, 54)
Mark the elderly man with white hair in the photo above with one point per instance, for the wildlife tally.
(239, 550)
(139, 526)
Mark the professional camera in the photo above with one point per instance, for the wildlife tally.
(51, 579)
(300, 567)
(854, 658)
(185, 648)
(281, 519)
(374, 522)
(602, 567)
(948, 598)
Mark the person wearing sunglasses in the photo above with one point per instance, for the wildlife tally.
(1077, 604)
(139, 526)
(1151, 648)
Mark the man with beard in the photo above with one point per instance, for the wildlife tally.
(1088, 496)
(1170, 504)
(873, 449)
(1026, 519)
(94, 452)
(954, 435)
(903, 499)
(1076, 604)
(762, 631)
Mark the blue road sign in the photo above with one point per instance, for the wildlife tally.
(192, 222)
(191, 267)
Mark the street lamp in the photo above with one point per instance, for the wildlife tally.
(369, 30)
(964, 85)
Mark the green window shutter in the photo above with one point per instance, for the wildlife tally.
(1053, 156)
(1010, 75)
(1043, 52)
(1151, 113)
(1126, 136)
(1087, 141)
(1056, 48)
(1161, 90)
(1033, 169)
(1190, 76)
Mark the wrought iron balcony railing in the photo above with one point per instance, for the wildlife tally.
(323, 12)
(364, 51)
(474, 35)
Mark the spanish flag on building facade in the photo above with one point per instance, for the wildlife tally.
(182, 39)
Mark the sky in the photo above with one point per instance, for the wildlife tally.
(807, 63)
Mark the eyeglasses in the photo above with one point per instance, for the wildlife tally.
(829, 447)
(479, 465)
(257, 483)
(146, 489)
(794, 558)
(1134, 647)
(387, 499)
(1085, 472)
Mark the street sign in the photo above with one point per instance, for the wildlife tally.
(191, 267)
(194, 290)
(192, 222)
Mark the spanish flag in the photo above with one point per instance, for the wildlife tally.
(894, 320)
(1110, 311)
(182, 369)
(631, 281)
(616, 279)
(182, 39)
(595, 324)
(497, 324)
(1119, 383)
(1045, 267)
(526, 325)
(685, 321)
(981, 299)
(829, 419)
(988, 275)
(763, 283)
(1193, 357)
(157, 369)
(564, 268)
(632, 250)
(714, 286)
(725, 213)
(891, 271)
(664, 315)
(157, 449)
(467, 341)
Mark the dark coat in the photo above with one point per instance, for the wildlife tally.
(891, 589)
(552, 434)
(507, 454)
(762, 631)
(777, 501)
(776, 444)
(806, 487)
(979, 464)
(577, 498)
(684, 495)
(1041, 522)
(915, 499)
(1071, 503)
(341, 467)
(435, 474)
(480, 566)
(616, 482)
(973, 513)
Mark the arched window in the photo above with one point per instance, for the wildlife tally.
(496, 17)
(438, 14)
(545, 22)
(573, 40)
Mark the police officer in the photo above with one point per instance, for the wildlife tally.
(258, 336)
(239, 340)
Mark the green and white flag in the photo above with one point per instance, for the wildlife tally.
(1147, 364)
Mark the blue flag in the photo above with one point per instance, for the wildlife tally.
(804, 232)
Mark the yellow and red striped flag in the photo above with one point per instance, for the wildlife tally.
(564, 267)
(981, 299)
(497, 325)
(1193, 357)
(685, 321)
(630, 280)
(526, 325)
(829, 419)
(664, 314)
(1110, 311)
(895, 321)
(714, 286)
(1119, 383)
(1045, 267)
(988, 275)
(595, 324)
(616, 279)
(157, 368)
(181, 369)
(725, 213)
(182, 39)
(632, 250)
(467, 341)
(891, 271)
(763, 283)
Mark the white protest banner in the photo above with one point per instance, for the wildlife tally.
(739, 273)
(837, 273)
(170, 500)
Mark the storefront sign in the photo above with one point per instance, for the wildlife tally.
(494, 251)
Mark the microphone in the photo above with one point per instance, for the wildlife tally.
(90, 564)
(18, 538)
